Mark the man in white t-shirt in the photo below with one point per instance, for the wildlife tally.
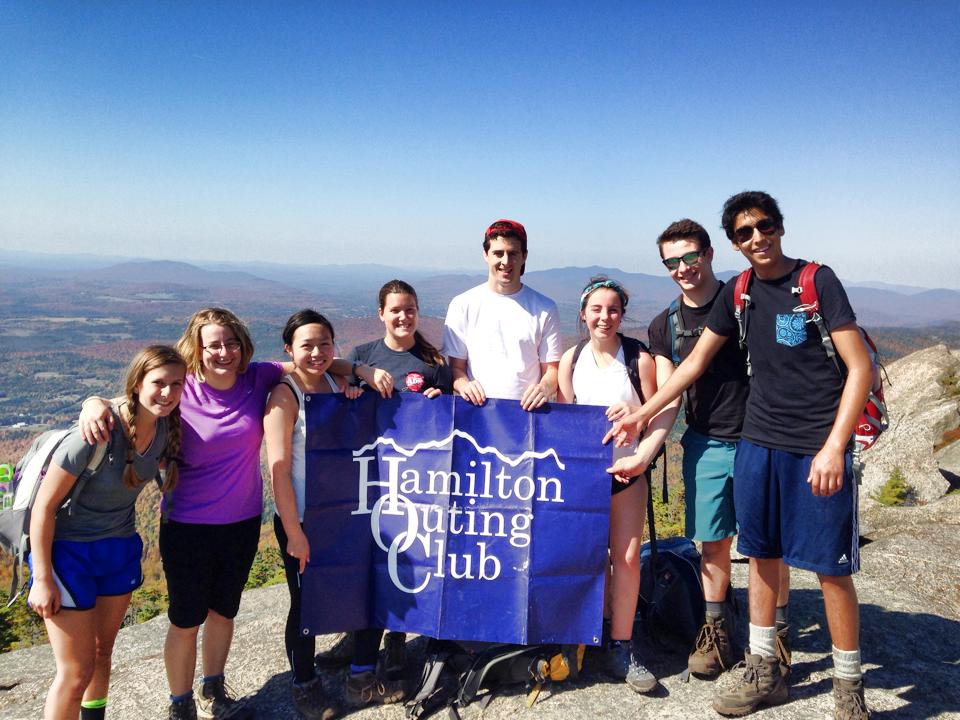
(502, 338)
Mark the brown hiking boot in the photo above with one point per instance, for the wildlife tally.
(848, 699)
(760, 683)
(784, 655)
(712, 651)
(366, 688)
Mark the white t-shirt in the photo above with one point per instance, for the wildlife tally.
(593, 385)
(503, 338)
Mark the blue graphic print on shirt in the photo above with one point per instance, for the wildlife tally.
(791, 329)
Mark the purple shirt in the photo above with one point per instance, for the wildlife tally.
(219, 458)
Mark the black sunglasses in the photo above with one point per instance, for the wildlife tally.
(689, 259)
(745, 232)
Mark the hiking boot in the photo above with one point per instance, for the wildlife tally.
(312, 703)
(394, 655)
(338, 655)
(183, 710)
(712, 651)
(218, 700)
(366, 688)
(784, 655)
(760, 683)
(623, 663)
(848, 700)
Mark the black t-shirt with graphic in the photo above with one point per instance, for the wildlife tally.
(410, 372)
(717, 400)
(795, 388)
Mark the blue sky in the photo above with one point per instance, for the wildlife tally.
(395, 132)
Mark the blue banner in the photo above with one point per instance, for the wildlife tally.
(454, 521)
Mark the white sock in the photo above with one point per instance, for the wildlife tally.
(846, 664)
(763, 640)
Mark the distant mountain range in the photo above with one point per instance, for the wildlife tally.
(350, 290)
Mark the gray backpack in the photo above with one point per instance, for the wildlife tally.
(21, 494)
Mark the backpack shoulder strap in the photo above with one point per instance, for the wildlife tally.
(576, 352)
(631, 355)
(740, 289)
(806, 290)
(428, 697)
(576, 356)
(741, 301)
(675, 322)
(97, 457)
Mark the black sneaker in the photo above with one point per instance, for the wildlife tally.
(183, 710)
(218, 700)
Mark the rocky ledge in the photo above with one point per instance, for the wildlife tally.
(909, 590)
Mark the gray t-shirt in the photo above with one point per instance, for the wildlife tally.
(105, 506)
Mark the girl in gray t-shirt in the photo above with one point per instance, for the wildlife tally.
(85, 564)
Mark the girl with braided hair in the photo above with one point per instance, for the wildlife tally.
(85, 564)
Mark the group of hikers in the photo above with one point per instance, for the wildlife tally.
(766, 456)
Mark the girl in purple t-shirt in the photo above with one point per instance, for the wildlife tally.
(211, 526)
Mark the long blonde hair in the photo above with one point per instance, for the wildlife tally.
(190, 345)
(150, 358)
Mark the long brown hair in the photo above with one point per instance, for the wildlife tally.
(190, 345)
(150, 358)
(425, 349)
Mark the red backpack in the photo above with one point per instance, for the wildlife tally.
(873, 420)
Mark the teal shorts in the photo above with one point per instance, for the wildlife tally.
(708, 487)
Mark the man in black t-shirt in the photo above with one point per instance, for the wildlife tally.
(795, 496)
(714, 408)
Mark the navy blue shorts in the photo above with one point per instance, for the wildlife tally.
(779, 516)
(84, 570)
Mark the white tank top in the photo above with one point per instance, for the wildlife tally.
(594, 385)
(298, 460)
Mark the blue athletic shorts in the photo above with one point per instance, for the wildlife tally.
(708, 487)
(84, 571)
(779, 516)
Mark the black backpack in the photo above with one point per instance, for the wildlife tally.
(671, 592)
(454, 672)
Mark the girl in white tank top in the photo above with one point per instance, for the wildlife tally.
(599, 376)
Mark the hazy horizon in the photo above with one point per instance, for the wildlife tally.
(272, 132)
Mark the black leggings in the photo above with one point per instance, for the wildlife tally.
(300, 648)
(366, 646)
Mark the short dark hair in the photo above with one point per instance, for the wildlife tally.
(685, 229)
(301, 318)
(749, 200)
(508, 229)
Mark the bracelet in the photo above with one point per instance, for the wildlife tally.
(353, 370)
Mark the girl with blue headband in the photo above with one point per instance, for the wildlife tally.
(617, 373)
